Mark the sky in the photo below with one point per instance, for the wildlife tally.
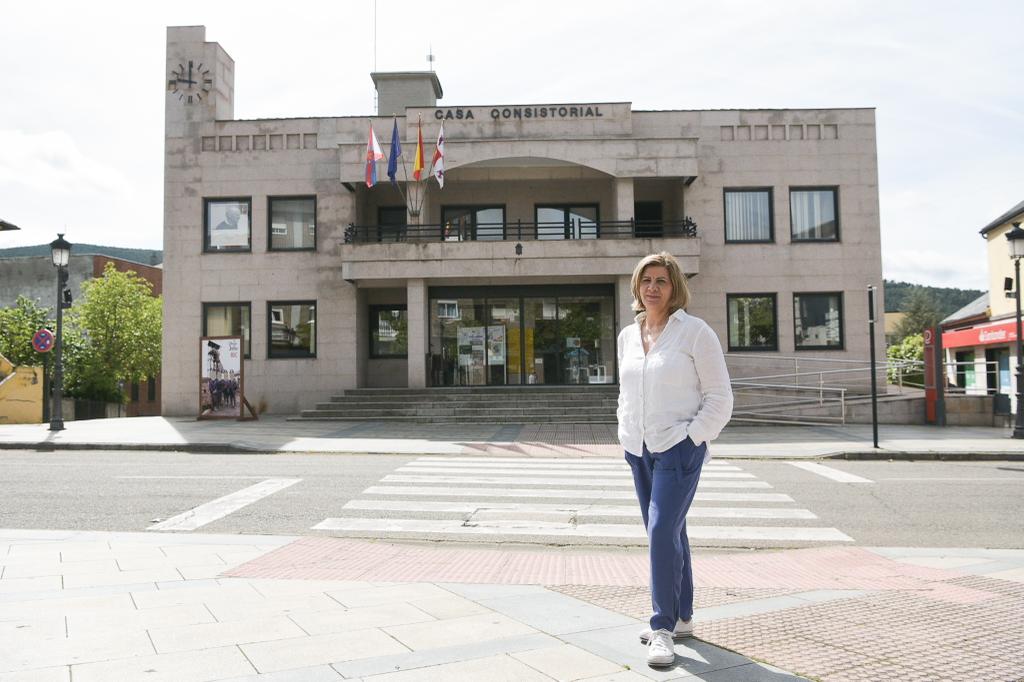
(82, 92)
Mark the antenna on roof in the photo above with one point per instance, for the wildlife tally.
(431, 58)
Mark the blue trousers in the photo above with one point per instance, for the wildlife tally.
(665, 485)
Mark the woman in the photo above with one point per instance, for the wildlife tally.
(674, 398)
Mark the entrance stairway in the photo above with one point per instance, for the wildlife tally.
(585, 404)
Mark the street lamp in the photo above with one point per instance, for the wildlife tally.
(1016, 239)
(60, 252)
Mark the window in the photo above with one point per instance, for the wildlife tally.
(389, 331)
(227, 319)
(752, 322)
(391, 223)
(135, 392)
(226, 224)
(467, 223)
(448, 310)
(292, 329)
(818, 321)
(813, 216)
(151, 389)
(567, 221)
(748, 215)
(292, 223)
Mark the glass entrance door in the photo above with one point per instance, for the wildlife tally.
(507, 336)
(540, 333)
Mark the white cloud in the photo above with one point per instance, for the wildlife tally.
(51, 162)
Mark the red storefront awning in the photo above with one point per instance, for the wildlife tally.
(1005, 332)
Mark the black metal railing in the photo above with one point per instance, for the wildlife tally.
(522, 231)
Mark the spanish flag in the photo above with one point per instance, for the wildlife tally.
(417, 165)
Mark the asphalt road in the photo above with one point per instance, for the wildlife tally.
(907, 504)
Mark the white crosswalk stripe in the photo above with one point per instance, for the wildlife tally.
(564, 500)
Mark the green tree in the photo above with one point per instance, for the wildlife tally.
(18, 324)
(911, 348)
(114, 335)
(922, 313)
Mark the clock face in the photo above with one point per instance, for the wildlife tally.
(190, 82)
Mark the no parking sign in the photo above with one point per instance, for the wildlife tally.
(43, 340)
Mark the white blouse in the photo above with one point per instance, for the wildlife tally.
(679, 389)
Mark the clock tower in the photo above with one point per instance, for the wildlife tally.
(199, 81)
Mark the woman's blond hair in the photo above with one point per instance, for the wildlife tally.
(680, 292)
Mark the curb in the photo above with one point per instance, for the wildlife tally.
(234, 449)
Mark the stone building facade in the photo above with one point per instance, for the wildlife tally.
(517, 271)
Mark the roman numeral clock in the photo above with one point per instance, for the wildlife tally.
(190, 82)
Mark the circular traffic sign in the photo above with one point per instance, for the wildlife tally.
(43, 340)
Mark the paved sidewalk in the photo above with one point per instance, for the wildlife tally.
(89, 606)
(277, 434)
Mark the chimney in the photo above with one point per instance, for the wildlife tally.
(397, 90)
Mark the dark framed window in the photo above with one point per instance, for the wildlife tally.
(752, 322)
(151, 389)
(291, 329)
(814, 214)
(291, 223)
(227, 224)
(818, 321)
(135, 392)
(567, 221)
(749, 215)
(391, 223)
(473, 223)
(649, 218)
(228, 319)
(389, 331)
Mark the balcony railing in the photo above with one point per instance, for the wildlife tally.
(521, 231)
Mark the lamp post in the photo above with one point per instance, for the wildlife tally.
(1016, 239)
(60, 252)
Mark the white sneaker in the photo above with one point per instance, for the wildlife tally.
(659, 649)
(682, 630)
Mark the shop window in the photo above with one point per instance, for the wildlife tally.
(818, 321)
(227, 319)
(752, 322)
(567, 221)
(748, 215)
(292, 223)
(291, 327)
(389, 331)
(473, 223)
(226, 225)
(813, 214)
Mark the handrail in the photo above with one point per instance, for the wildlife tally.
(574, 229)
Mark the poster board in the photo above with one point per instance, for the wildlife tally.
(221, 380)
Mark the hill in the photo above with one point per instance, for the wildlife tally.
(144, 256)
(947, 299)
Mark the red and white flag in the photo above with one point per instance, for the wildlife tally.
(373, 155)
(438, 161)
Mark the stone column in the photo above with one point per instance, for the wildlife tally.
(416, 311)
(623, 198)
(623, 302)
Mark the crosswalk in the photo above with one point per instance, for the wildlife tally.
(562, 501)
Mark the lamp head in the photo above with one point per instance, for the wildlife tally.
(1016, 239)
(60, 250)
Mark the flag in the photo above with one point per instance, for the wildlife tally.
(417, 165)
(396, 151)
(373, 155)
(438, 161)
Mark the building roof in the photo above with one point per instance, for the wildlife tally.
(4, 225)
(1015, 212)
(975, 308)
